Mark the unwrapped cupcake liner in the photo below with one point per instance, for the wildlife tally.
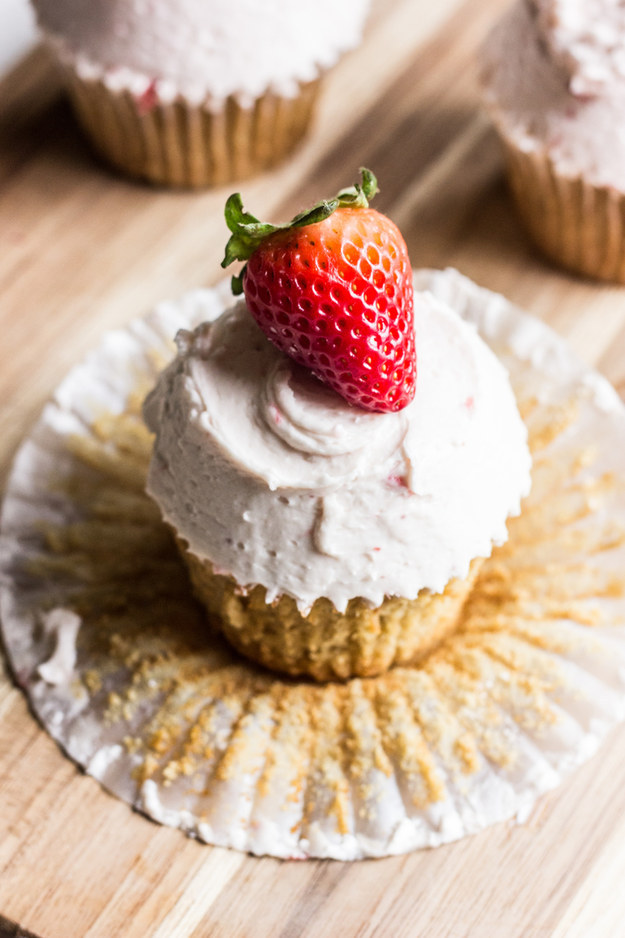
(578, 225)
(185, 144)
(115, 656)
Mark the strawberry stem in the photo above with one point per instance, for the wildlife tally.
(248, 232)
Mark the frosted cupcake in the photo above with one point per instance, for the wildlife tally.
(554, 81)
(327, 536)
(197, 92)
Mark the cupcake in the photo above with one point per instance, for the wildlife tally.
(103, 635)
(197, 92)
(332, 511)
(554, 81)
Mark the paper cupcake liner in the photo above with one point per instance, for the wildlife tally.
(181, 144)
(578, 225)
(116, 659)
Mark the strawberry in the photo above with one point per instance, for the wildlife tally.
(333, 290)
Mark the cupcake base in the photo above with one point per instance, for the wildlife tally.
(325, 644)
(186, 145)
(577, 225)
(105, 638)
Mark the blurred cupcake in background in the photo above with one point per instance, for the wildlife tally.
(554, 81)
(197, 92)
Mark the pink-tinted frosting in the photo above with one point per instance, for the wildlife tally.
(554, 79)
(202, 50)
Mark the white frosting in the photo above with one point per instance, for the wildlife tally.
(586, 38)
(276, 480)
(202, 50)
(551, 77)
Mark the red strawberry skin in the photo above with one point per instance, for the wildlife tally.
(337, 297)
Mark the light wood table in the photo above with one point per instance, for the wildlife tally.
(81, 251)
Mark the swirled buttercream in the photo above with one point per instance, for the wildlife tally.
(276, 480)
(203, 50)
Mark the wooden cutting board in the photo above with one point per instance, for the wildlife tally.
(82, 250)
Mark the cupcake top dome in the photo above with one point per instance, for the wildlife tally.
(586, 38)
(202, 50)
(299, 445)
(554, 78)
(276, 480)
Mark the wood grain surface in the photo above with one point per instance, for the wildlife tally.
(82, 250)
